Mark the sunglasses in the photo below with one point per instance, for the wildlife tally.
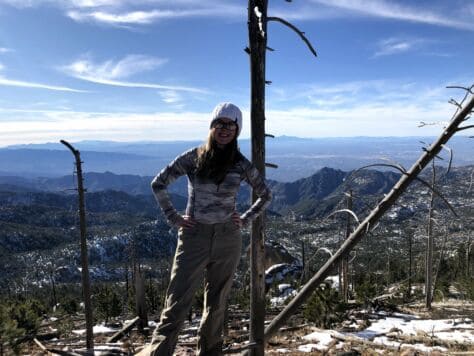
(231, 126)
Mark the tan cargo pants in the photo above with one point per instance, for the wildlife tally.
(210, 250)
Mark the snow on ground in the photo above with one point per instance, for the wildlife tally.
(97, 329)
(323, 337)
(443, 329)
(451, 330)
(308, 347)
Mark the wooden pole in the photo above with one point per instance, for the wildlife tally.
(429, 247)
(257, 13)
(345, 260)
(372, 219)
(84, 261)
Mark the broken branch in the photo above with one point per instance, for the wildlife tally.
(294, 28)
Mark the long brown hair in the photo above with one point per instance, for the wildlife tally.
(214, 162)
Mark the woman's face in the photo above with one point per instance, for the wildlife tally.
(224, 131)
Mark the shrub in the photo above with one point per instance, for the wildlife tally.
(18, 319)
(324, 307)
(107, 302)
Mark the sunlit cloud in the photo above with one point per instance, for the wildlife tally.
(145, 17)
(395, 10)
(135, 17)
(110, 72)
(55, 125)
(385, 114)
(23, 84)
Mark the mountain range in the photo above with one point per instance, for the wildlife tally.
(296, 157)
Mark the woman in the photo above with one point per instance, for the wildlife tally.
(209, 240)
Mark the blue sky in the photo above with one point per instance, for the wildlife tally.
(129, 70)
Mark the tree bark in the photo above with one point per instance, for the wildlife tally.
(257, 13)
(84, 260)
(429, 246)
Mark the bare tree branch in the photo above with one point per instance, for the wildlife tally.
(465, 127)
(436, 156)
(396, 166)
(294, 28)
(470, 183)
(455, 103)
(422, 123)
(344, 211)
(461, 87)
(438, 194)
(271, 165)
(450, 157)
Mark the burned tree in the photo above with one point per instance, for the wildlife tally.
(84, 262)
(462, 114)
(257, 29)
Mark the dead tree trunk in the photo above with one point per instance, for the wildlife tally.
(84, 262)
(257, 14)
(410, 264)
(374, 216)
(429, 246)
(345, 260)
(468, 257)
(140, 299)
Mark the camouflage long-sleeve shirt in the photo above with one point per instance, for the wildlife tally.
(208, 202)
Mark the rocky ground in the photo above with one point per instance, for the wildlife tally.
(411, 330)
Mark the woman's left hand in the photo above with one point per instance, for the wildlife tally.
(237, 220)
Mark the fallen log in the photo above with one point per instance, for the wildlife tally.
(236, 350)
(41, 346)
(126, 328)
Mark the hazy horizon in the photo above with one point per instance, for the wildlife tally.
(151, 70)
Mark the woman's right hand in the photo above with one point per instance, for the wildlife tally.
(186, 222)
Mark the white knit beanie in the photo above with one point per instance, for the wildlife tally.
(227, 111)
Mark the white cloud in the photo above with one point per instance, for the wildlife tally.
(109, 72)
(171, 96)
(392, 116)
(148, 16)
(126, 84)
(360, 108)
(5, 50)
(23, 84)
(2, 67)
(135, 17)
(126, 67)
(392, 46)
(347, 94)
(142, 12)
(62, 3)
(391, 9)
(40, 126)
